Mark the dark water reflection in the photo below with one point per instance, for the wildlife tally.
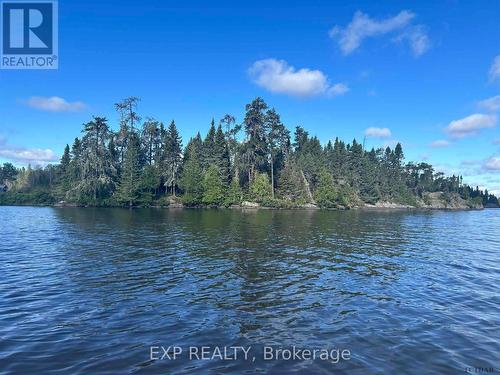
(90, 290)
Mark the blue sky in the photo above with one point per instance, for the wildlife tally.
(425, 73)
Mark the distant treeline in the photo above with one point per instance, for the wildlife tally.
(144, 163)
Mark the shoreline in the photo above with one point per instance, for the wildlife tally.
(367, 207)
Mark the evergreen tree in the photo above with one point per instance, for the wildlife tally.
(231, 130)
(260, 188)
(326, 194)
(172, 157)
(150, 138)
(290, 184)
(138, 168)
(221, 155)
(8, 173)
(128, 188)
(192, 183)
(278, 139)
(114, 167)
(194, 150)
(209, 152)
(213, 187)
(235, 193)
(92, 162)
(127, 109)
(148, 184)
(65, 172)
(256, 135)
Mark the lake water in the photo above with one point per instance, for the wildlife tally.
(86, 291)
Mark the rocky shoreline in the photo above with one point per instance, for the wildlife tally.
(430, 201)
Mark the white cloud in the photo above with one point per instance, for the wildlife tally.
(495, 69)
(362, 27)
(25, 155)
(492, 164)
(279, 77)
(440, 143)
(34, 156)
(418, 40)
(54, 104)
(338, 89)
(470, 125)
(373, 132)
(491, 104)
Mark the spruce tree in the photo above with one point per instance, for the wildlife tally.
(234, 194)
(213, 187)
(278, 139)
(64, 172)
(290, 184)
(129, 186)
(221, 156)
(191, 182)
(260, 188)
(256, 136)
(209, 152)
(172, 157)
(326, 193)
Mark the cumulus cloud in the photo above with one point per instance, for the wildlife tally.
(440, 143)
(279, 77)
(492, 164)
(54, 104)
(491, 104)
(470, 125)
(35, 156)
(362, 26)
(373, 132)
(495, 69)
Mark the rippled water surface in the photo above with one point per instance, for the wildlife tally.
(86, 291)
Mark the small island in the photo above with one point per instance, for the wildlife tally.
(253, 164)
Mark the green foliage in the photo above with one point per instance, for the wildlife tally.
(35, 197)
(326, 194)
(290, 184)
(192, 183)
(65, 173)
(172, 157)
(260, 188)
(150, 179)
(147, 166)
(234, 194)
(256, 147)
(129, 186)
(213, 187)
(8, 172)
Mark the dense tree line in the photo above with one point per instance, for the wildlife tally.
(144, 163)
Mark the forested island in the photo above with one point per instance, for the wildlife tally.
(253, 164)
